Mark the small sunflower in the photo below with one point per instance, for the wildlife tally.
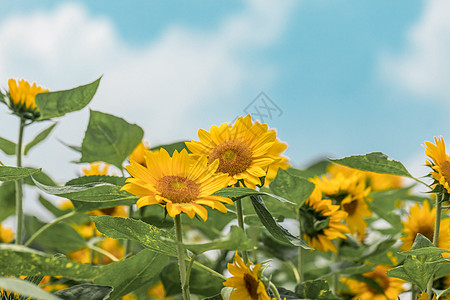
(180, 183)
(246, 281)
(21, 98)
(391, 286)
(158, 291)
(96, 168)
(321, 222)
(244, 150)
(350, 192)
(138, 154)
(6, 234)
(421, 220)
(440, 162)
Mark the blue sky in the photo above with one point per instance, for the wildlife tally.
(351, 77)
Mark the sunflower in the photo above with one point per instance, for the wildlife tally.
(391, 286)
(96, 168)
(21, 98)
(350, 192)
(421, 220)
(245, 150)
(6, 234)
(321, 222)
(157, 291)
(138, 154)
(440, 162)
(246, 281)
(180, 183)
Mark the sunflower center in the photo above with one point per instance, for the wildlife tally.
(445, 169)
(427, 231)
(350, 208)
(234, 157)
(178, 189)
(251, 285)
(381, 278)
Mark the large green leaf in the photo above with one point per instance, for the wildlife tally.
(32, 262)
(291, 187)
(170, 148)
(85, 291)
(15, 173)
(386, 214)
(317, 289)
(26, 288)
(39, 138)
(7, 146)
(59, 103)
(147, 235)
(276, 230)
(374, 162)
(134, 272)
(109, 139)
(237, 240)
(236, 193)
(7, 200)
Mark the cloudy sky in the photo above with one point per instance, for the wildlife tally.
(341, 77)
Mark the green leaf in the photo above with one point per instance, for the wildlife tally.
(170, 148)
(291, 187)
(135, 272)
(85, 291)
(7, 200)
(377, 248)
(374, 162)
(109, 139)
(25, 288)
(424, 251)
(39, 138)
(201, 282)
(41, 177)
(7, 146)
(209, 229)
(57, 212)
(59, 103)
(386, 214)
(235, 193)
(15, 173)
(147, 235)
(444, 293)
(237, 240)
(317, 289)
(115, 180)
(31, 262)
(316, 169)
(276, 230)
(348, 268)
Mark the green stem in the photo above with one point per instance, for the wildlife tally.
(19, 186)
(48, 225)
(127, 242)
(240, 218)
(413, 292)
(103, 251)
(336, 258)
(200, 265)
(420, 181)
(437, 224)
(189, 269)
(181, 257)
(274, 290)
(295, 271)
(301, 253)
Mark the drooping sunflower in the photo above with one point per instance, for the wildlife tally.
(322, 222)
(350, 192)
(246, 280)
(421, 220)
(180, 183)
(391, 286)
(21, 98)
(440, 162)
(244, 150)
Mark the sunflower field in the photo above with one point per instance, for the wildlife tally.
(225, 216)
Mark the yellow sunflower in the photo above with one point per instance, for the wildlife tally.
(391, 286)
(245, 281)
(22, 96)
(440, 162)
(97, 168)
(180, 183)
(138, 154)
(421, 220)
(157, 291)
(321, 222)
(350, 192)
(244, 150)
(6, 234)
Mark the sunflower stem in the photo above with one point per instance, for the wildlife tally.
(240, 218)
(103, 252)
(439, 199)
(413, 292)
(48, 225)
(127, 242)
(200, 265)
(301, 276)
(181, 257)
(189, 269)
(336, 258)
(19, 185)
(274, 290)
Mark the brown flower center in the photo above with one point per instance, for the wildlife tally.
(178, 189)
(350, 208)
(427, 231)
(251, 285)
(445, 169)
(234, 157)
(381, 278)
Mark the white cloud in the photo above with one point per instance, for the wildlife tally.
(423, 67)
(162, 86)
